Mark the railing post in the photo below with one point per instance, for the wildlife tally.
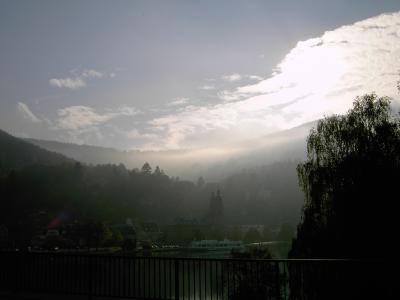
(176, 267)
(90, 278)
(16, 270)
(278, 283)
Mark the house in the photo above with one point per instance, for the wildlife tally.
(128, 233)
(148, 231)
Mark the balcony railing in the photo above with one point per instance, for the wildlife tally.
(189, 278)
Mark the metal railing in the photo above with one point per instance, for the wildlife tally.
(182, 278)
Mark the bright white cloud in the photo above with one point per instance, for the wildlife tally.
(69, 83)
(178, 101)
(227, 95)
(77, 79)
(27, 113)
(319, 76)
(91, 74)
(232, 77)
(81, 117)
(135, 134)
(237, 77)
(207, 87)
(254, 77)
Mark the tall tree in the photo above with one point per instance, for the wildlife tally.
(146, 168)
(200, 182)
(350, 183)
(158, 171)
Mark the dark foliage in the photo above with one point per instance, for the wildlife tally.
(104, 193)
(39, 186)
(350, 182)
(16, 153)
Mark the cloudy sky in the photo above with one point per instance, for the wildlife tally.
(188, 74)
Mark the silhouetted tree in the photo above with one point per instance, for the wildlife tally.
(157, 171)
(200, 182)
(146, 168)
(350, 183)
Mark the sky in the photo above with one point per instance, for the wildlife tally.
(188, 74)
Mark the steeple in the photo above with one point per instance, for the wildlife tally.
(216, 207)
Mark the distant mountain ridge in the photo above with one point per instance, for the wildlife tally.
(85, 153)
(16, 153)
(215, 163)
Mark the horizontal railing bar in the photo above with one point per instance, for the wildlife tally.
(201, 259)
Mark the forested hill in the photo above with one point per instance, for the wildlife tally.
(215, 164)
(49, 182)
(86, 153)
(16, 153)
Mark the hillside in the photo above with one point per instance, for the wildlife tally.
(16, 153)
(212, 163)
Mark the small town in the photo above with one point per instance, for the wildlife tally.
(199, 150)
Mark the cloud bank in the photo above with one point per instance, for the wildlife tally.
(83, 123)
(80, 117)
(319, 76)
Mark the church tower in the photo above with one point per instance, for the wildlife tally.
(216, 208)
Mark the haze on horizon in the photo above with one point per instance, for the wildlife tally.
(175, 74)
